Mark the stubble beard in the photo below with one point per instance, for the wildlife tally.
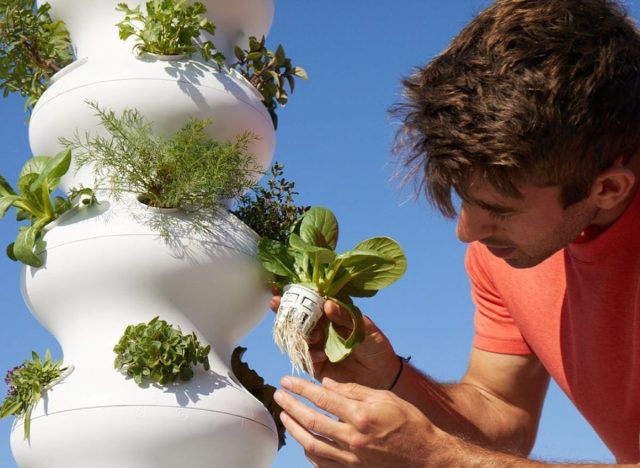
(577, 218)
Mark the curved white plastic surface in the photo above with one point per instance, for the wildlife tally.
(92, 23)
(167, 93)
(105, 269)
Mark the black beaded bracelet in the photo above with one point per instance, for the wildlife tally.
(402, 361)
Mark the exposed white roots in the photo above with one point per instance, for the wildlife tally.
(290, 338)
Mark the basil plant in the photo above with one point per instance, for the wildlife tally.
(38, 178)
(309, 259)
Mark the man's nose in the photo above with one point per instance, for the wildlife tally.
(474, 224)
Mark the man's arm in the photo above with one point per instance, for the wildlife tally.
(377, 428)
(496, 405)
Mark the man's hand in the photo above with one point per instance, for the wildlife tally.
(375, 428)
(373, 363)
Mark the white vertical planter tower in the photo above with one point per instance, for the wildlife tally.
(106, 268)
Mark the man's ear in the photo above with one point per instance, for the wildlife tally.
(613, 186)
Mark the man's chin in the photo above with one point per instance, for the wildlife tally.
(521, 262)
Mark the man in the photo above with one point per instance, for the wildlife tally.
(532, 116)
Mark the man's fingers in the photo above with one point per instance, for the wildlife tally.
(320, 450)
(312, 420)
(275, 303)
(321, 397)
(338, 315)
(352, 391)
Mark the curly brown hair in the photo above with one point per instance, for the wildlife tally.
(543, 92)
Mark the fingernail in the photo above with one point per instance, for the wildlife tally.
(278, 395)
(284, 416)
(285, 382)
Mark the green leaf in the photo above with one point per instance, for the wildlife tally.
(27, 421)
(10, 253)
(5, 188)
(369, 276)
(320, 254)
(33, 167)
(338, 348)
(6, 202)
(56, 167)
(24, 245)
(319, 227)
(239, 53)
(298, 71)
(10, 409)
(358, 256)
(276, 258)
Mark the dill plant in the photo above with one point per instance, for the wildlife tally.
(189, 170)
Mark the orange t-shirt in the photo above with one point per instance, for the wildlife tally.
(579, 313)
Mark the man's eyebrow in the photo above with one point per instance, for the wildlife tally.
(493, 207)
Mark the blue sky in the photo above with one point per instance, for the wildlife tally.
(334, 138)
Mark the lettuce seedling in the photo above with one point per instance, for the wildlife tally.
(309, 259)
(159, 352)
(39, 177)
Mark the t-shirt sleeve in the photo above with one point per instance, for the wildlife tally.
(495, 330)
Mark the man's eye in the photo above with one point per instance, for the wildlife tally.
(500, 216)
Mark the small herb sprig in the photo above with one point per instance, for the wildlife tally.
(32, 48)
(159, 352)
(26, 384)
(169, 27)
(309, 259)
(271, 211)
(268, 72)
(39, 177)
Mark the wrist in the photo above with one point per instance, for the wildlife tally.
(401, 365)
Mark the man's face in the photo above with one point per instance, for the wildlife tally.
(526, 231)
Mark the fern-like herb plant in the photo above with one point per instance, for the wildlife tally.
(188, 170)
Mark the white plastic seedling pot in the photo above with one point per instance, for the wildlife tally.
(299, 312)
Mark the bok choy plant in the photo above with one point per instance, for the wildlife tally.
(309, 259)
(38, 178)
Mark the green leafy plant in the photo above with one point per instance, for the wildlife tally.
(32, 48)
(268, 72)
(271, 211)
(39, 177)
(309, 259)
(187, 171)
(159, 352)
(26, 385)
(255, 384)
(169, 27)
